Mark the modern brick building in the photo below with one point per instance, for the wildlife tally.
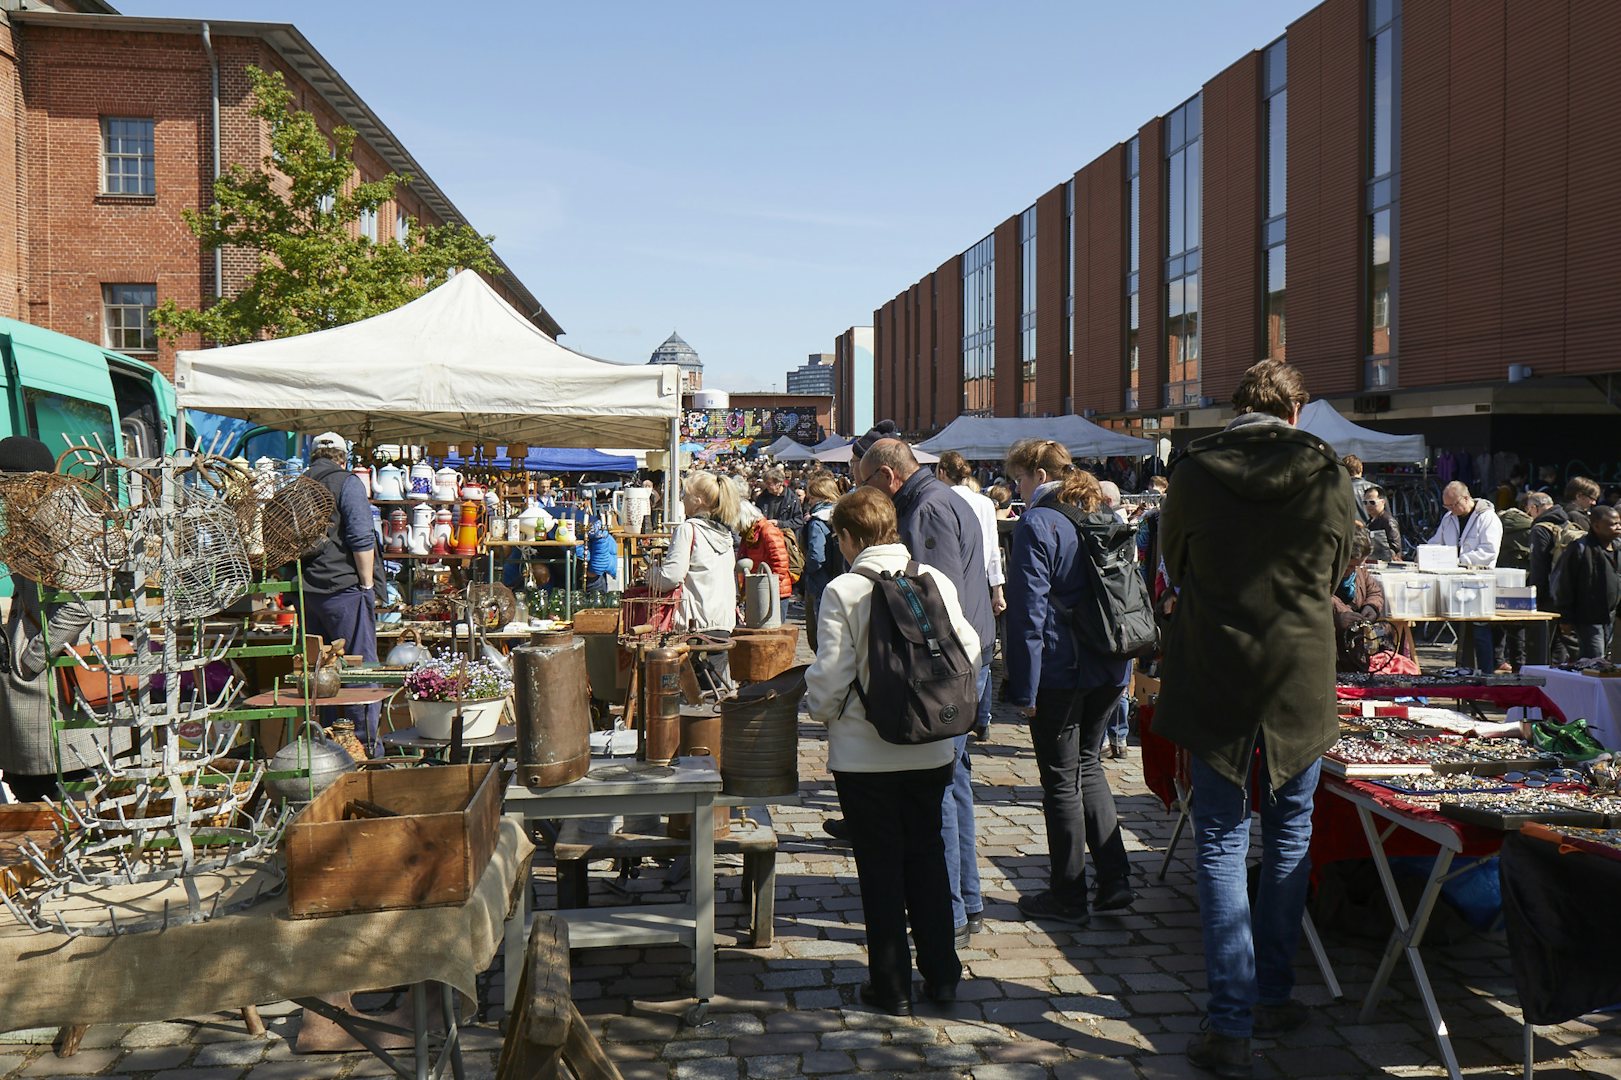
(108, 130)
(1411, 200)
(853, 381)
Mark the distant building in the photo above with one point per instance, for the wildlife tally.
(677, 351)
(815, 376)
(853, 381)
(111, 130)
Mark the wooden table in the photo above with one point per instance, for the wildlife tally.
(349, 695)
(615, 787)
(1535, 653)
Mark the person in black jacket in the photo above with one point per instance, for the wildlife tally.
(1383, 532)
(1587, 582)
(778, 502)
(1547, 518)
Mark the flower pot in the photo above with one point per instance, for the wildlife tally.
(479, 718)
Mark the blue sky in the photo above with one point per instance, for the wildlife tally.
(757, 175)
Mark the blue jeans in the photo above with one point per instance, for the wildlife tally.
(1249, 956)
(957, 826)
(983, 719)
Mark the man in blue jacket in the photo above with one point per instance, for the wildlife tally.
(939, 529)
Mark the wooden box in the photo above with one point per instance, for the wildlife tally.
(21, 822)
(430, 854)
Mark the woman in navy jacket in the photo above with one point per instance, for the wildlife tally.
(1068, 693)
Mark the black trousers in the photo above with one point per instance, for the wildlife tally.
(895, 825)
(1067, 731)
(31, 788)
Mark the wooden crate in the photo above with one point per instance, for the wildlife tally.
(430, 855)
(34, 821)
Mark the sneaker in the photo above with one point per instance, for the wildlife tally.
(1274, 1020)
(1113, 896)
(837, 828)
(1045, 905)
(1224, 1055)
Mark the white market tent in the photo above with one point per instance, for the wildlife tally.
(832, 442)
(796, 452)
(456, 363)
(987, 438)
(840, 455)
(1322, 420)
(786, 442)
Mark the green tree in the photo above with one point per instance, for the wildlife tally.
(296, 213)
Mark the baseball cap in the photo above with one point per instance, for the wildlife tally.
(330, 439)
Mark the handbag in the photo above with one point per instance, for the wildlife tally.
(642, 605)
(94, 683)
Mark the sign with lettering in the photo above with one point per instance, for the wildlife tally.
(700, 424)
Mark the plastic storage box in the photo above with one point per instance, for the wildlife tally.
(1464, 595)
(1516, 598)
(1438, 558)
(1508, 578)
(1411, 596)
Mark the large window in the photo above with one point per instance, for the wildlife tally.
(368, 225)
(126, 318)
(1182, 216)
(127, 156)
(1134, 194)
(1275, 76)
(979, 327)
(1027, 312)
(1382, 192)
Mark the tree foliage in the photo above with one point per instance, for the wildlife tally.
(298, 213)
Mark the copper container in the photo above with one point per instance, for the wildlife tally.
(661, 711)
(701, 729)
(554, 710)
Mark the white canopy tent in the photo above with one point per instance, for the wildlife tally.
(458, 363)
(795, 452)
(1322, 420)
(840, 455)
(785, 442)
(987, 438)
(832, 442)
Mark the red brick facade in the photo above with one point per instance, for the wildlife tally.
(1506, 167)
(61, 239)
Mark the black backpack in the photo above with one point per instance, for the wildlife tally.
(1116, 618)
(922, 684)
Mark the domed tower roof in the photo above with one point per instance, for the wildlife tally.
(676, 351)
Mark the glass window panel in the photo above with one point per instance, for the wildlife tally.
(1190, 324)
(1175, 202)
(1193, 184)
(1380, 12)
(1379, 283)
(1380, 114)
(1276, 60)
(1277, 150)
(1276, 267)
(1176, 130)
(1195, 122)
(1136, 220)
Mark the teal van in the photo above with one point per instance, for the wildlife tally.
(59, 387)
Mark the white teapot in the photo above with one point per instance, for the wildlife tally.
(389, 484)
(447, 484)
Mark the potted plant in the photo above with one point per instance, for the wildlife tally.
(441, 685)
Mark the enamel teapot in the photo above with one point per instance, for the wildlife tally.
(364, 475)
(447, 482)
(472, 489)
(389, 484)
(421, 480)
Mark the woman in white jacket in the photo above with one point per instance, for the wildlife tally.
(702, 556)
(891, 794)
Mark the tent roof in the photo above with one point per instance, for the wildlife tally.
(796, 452)
(1324, 421)
(562, 460)
(783, 442)
(842, 454)
(457, 362)
(832, 442)
(987, 438)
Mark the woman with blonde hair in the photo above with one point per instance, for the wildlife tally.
(700, 557)
(1067, 691)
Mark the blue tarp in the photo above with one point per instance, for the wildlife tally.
(564, 460)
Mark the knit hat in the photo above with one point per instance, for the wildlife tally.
(883, 429)
(20, 453)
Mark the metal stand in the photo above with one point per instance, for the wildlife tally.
(363, 1029)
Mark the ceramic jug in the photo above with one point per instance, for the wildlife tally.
(377, 526)
(439, 539)
(530, 521)
(421, 528)
(389, 485)
(398, 537)
(363, 474)
(446, 483)
(472, 489)
(467, 529)
(421, 480)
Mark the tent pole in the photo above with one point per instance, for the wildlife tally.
(672, 476)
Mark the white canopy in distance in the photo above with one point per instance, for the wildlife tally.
(1324, 421)
(457, 363)
(987, 438)
(840, 455)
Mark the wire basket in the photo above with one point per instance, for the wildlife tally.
(61, 531)
(294, 522)
(195, 551)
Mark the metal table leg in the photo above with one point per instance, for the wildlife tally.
(1405, 939)
(515, 933)
(703, 904)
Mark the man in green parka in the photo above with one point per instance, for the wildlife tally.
(1256, 533)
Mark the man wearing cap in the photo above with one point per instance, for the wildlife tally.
(338, 597)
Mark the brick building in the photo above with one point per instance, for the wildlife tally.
(1408, 199)
(107, 133)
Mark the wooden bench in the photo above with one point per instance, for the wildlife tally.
(583, 840)
(546, 1035)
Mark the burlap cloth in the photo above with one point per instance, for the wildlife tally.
(256, 956)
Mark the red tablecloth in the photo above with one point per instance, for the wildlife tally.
(1504, 697)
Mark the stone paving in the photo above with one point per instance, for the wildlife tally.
(1118, 999)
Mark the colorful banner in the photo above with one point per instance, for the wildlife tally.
(698, 425)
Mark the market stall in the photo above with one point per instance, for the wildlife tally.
(1322, 420)
(988, 438)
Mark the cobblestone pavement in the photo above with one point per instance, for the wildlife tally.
(1118, 999)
